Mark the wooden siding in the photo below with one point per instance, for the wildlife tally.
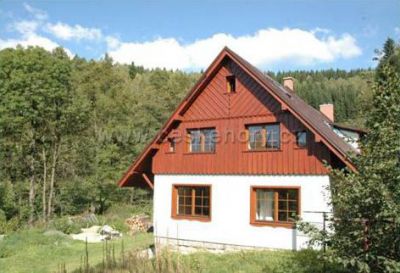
(229, 114)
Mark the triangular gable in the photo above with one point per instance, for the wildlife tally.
(317, 123)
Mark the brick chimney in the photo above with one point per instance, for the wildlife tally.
(288, 82)
(328, 110)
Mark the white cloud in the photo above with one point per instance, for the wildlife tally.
(32, 39)
(265, 47)
(29, 30)
(37, 13)
(112, 42)
(25, 27)
(77, 32)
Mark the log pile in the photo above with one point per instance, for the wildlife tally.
(138, 223)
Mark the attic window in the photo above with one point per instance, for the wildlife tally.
(202, 140)
(171, 145)
(301, 139)
(230, 84)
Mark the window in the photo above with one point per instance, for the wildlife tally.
(266, 136)
(230, 84)
(172, 145)
(191, 202)
(301, 139)
(275, 206)
(201, 140)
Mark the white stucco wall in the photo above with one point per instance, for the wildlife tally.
(230, 223)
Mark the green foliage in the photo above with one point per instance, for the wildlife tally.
(388, 56)
(66, 225)
(134, 70)
(7, 200)
(348, 91)
(366, 203)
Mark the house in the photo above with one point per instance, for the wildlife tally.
(240, 159)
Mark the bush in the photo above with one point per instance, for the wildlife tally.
(8, 226)
(67, 225)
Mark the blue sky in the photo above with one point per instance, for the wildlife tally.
(273, 35)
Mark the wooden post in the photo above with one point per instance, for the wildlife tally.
(148, 181)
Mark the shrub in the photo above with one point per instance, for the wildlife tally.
(66, 225)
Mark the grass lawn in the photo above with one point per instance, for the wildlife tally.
(305, 261)
(32, 251)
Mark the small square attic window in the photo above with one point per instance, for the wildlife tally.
(171, 145)
(230, 84)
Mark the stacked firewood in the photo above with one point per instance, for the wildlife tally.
(138, 223)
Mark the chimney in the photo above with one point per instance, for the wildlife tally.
(288, 82)
(328, 110)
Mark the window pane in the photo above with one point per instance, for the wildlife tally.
(255, 137)
(283, 205)
(195, 140)
(202, 140)
(172, 145)
(293, 205)
(273, 136)
(197, 210)
(188, 200)
(301, 139)
(209, 140)
(293, 194)
(265, 205)
(199, 201)
(282, 216)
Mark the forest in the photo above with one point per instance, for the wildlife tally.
(70, 127)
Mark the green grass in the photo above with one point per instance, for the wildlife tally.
(305, 261)
(31, 251)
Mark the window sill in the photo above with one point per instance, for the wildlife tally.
(170, 152)
(262, 150)
(273, 224)
(192, 218)
(300, 148)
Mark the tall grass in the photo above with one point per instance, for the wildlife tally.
(168, 261)
(132, 262)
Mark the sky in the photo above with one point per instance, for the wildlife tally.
(187, 35)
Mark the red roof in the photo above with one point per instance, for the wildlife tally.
(314, 120)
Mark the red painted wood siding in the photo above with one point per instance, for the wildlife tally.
(229, 114)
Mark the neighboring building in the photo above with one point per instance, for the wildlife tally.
(240, 159)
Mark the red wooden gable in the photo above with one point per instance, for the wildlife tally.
(229, 114)
(210, 105)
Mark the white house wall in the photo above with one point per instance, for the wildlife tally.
(230, 210)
